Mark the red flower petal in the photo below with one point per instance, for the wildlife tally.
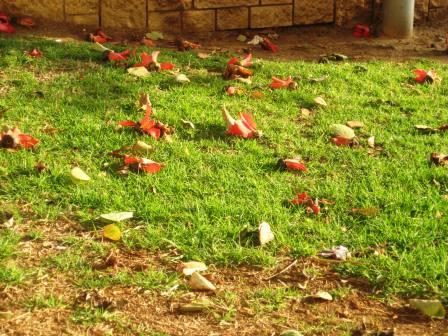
(35, 53)
(150, 166)
(128, 160)
(295, 165)
(269, 45)
(278, 83)
(166, 66)
(27, 141)
(361, 31)
(341, 141)
(127, 123)
(26, 22)
(231, 90)
(4, 17)
(154, 132)
(240, 130)
(148, 42)
(233, 60)
(146, 60)
(116, 57)
(421, 75)
(247, 120)
(247, 61)
(6, 27)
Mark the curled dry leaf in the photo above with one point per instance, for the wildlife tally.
(195, 306)
(343, 131)
(265, 234)
(202, 55)
(198, 282)
(190, 267)
(338, 253)
(243, 127)
(181, 78)
(15, 139)
(188, 123)
(256, 40)
(138, 165)
(439, 159)
(146, 125)
(278, 83)
(78, 176)
(423, 76)
(321, 295)
(320, 101)
(234, 71)
(371, 142)
(111, 260)
(112, 232)
(139, 71)
(292, 164)
(115, 217)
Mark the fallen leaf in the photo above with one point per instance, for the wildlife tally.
(318, 79)
(188, 123)
(355, 124)
(26, 21)
(111, 260)
(431, 308)
(138, 165)
(244, 127)
(439, 159)
(141, 146)
(139, 71)
(112, 232)
(321, 295)
(338, 252)
(305, 113)
(198, 282)
(190, 267)
(235, 71)
(115, 217)
(78, 176)
(371, 142)
(181, 78)
(343, 131)
(244, 62)
(341, 141)
(320, 101)
(265, 234)
(196, 306)
(244, 80)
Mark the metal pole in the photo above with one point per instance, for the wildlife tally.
(398, 18)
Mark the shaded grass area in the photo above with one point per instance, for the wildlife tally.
(213, 186)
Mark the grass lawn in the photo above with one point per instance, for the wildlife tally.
(215, 187)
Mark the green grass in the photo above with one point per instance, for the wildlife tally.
(214, 186)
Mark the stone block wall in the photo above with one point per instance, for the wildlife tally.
(210, 15)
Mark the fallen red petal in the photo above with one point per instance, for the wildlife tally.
(267, 44)
(341, 141)
(295, 165)
(27, 141)
(127, 123)
(166, 66)
(35, 53)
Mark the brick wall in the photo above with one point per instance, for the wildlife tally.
(209, 15)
